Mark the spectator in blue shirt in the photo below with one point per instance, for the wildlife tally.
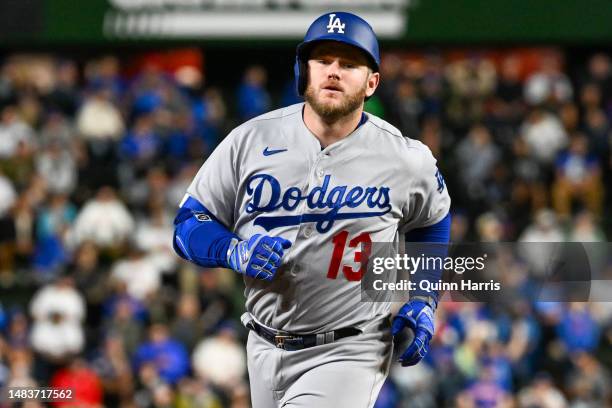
(578, 177)
(253, 98)
(169, 356)
(141, 144)
(578, 330)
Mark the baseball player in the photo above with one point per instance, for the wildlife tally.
(287, 200)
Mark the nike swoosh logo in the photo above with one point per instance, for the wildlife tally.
(268, 152)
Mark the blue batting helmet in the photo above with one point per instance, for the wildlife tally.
(336, 26)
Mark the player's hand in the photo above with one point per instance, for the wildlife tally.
(417, 315)
(259, 257)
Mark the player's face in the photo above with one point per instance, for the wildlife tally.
(338, 79)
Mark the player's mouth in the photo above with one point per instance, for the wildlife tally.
(333, 88)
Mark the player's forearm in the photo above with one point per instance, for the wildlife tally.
(199, 237)
(438, 233)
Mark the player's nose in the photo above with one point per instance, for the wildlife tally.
(333, 69)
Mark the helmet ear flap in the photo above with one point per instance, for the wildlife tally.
(300, 70)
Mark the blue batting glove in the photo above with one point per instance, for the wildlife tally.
(259, 257)
(417, 315)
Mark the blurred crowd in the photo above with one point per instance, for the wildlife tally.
(94, 161)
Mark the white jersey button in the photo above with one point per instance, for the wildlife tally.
(320, 173)
(308, 232)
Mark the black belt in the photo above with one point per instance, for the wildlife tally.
(292, 341)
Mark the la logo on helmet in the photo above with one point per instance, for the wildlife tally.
(335, 24)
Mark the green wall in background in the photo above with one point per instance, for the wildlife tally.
(78, 22)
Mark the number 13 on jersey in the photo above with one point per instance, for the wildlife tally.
(362, 242)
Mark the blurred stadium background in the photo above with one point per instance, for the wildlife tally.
(108, 108)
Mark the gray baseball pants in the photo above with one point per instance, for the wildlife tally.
(345, 373)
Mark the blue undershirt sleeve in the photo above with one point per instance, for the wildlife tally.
(438, 233)
(199, 237)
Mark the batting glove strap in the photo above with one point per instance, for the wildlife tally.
(430, 300)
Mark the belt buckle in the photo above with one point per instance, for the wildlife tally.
(279, 340)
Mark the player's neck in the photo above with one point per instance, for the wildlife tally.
(330, 132)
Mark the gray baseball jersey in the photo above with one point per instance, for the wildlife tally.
(270, 176)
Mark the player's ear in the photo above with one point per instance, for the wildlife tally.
(372, 83)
